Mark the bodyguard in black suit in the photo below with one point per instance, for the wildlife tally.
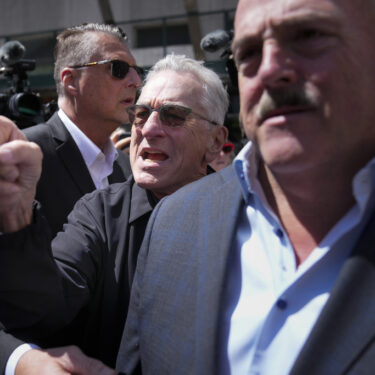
(65, 177)
(268, 266)
(92, 100)
(80, 294)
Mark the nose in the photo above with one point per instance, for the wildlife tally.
(133, 79)
(277, 68)
(153, 126)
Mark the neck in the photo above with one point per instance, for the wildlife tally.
(309, 205)
(95, 129)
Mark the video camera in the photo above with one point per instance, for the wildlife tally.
(221, 39)
(19, 102)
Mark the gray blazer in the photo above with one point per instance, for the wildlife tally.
(174, 322)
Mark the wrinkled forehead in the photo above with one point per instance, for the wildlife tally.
(109, 47)
(172, 87)
(261, 14)
(256, 18)
(274, 11)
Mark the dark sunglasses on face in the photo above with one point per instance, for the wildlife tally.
(172, 115)
(228, 147)
(119, 68)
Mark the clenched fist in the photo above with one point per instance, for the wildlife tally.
(20, 169)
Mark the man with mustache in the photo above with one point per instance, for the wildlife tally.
(268, 267)
(79, 294)
(96, 80)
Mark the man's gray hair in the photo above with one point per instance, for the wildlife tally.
(76, 46)
(215, 98)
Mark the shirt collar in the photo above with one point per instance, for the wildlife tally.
(89, 150)
(246, 166)
(142, 201)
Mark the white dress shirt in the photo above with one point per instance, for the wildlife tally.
(99, 163)
(271, 304)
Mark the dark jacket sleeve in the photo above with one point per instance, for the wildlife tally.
(8, 344)
(30, 287)
(43, 287)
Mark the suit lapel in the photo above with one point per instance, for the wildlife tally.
(117, 174)
(121, 169)
(219, 231)
(70, 156)
(347, 322)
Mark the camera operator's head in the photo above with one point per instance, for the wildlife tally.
(96, 77)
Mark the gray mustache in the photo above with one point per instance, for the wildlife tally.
(275, 99)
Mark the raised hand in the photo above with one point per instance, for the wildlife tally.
(20, 168)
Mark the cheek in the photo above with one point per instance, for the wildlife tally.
(226, 157)
(250, 94)
(133, 148)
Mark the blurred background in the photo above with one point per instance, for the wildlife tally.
(196, 28)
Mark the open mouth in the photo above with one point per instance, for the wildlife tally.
(153, 156)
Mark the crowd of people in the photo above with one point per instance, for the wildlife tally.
(167, 261)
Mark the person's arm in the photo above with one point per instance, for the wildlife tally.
(37, 296)
(60, 361)
(8, 344)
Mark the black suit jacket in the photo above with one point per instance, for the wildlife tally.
(175, 316)
(8, 344)
(79, 293)
(65, 177)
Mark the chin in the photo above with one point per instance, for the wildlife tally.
(147, 180)
(282, 157)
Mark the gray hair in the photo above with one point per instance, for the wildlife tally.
(214, 99)
(77, 45)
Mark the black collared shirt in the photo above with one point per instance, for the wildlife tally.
(82, 298)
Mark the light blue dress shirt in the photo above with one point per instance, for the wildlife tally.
(271, 305)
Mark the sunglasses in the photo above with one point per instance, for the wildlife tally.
(119, 68)
(172, 115)
(228, 147)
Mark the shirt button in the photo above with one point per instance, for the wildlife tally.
(279, 233)
(281, 304)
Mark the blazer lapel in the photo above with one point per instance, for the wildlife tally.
(347, 322)
(219, 232)
(70, 156)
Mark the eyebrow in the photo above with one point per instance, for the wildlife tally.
(295, 20)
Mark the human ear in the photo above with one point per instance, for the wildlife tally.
(217, 139)
(69, 81)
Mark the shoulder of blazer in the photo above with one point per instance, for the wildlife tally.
(223, 181)
(216, 192)
(53, 128)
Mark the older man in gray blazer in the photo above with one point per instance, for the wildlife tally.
(268, 267)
